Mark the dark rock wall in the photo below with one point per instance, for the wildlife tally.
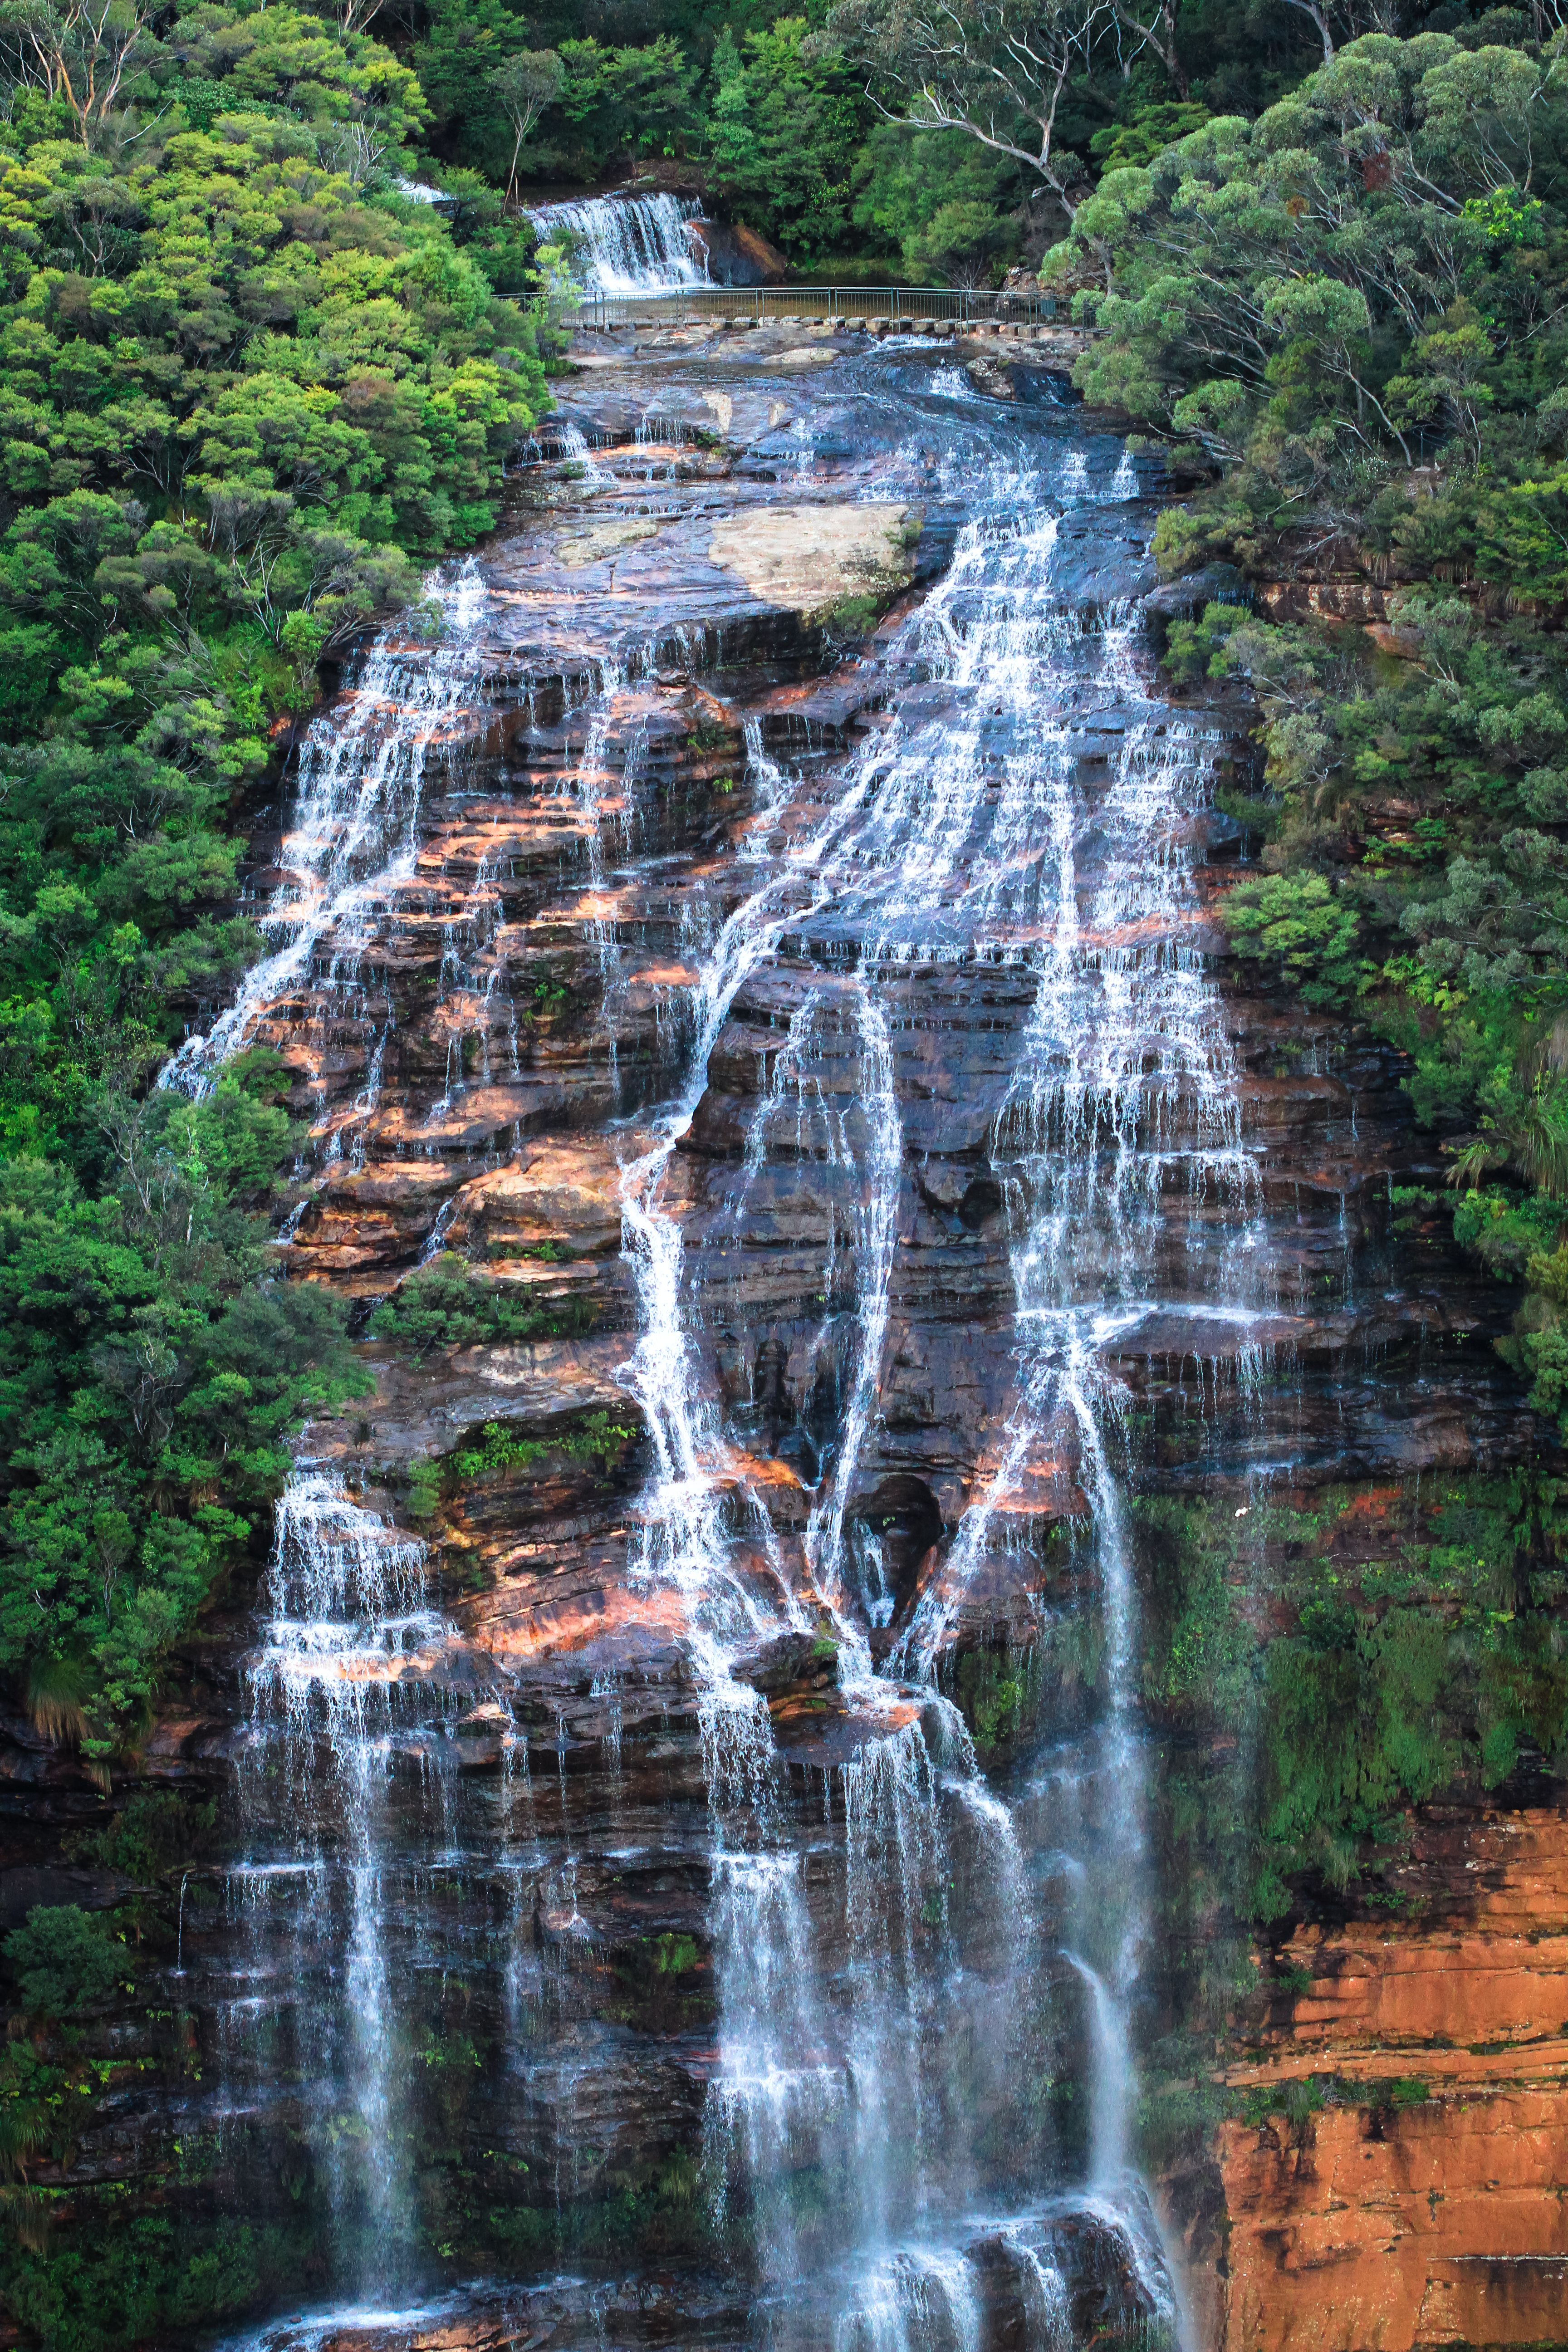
(476, 1075)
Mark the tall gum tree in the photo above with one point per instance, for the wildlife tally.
(990, 68)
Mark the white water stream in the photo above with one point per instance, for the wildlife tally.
(353, 830)
(336, 1696)
(885, 1981)
(625, 245)
(953, 839)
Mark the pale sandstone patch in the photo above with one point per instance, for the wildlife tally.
(808, 558)
(565, 1191)
(576, 547)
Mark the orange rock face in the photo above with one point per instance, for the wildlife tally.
(1427, 2204)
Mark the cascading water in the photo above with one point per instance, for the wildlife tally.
(918, 2129)
(625, 245)
(340, 1703)
(353, 830)
(948, 840)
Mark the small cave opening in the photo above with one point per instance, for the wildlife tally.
(893, 1528)
(981, 1202)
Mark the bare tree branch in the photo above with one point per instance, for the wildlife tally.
(995, 69)
(1159, 34)
(80, 52)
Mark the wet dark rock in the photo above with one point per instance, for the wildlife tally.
(21, 1888)
(675, 670)
(995, 382)
(793, 1661)
(733, 256)
(1215, 583)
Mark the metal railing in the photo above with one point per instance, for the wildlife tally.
(902, 305)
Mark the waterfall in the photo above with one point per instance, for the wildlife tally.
(576, 450)
(351, 836)
(625, 245)
(340, 1696)
(910, 1959)
(956, 837)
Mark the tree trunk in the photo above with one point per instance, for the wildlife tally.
(1173, 56)
(1160, 33)
(1320, 17)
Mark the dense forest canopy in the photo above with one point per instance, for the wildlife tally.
(247, 384)
(253, 381)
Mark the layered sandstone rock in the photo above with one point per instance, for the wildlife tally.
(1422, 2203)
(678, 665)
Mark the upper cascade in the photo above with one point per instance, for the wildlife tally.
(626, 245)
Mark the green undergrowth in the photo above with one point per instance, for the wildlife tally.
(595, 1441)
(155, 1835)
(665, 1985)
(153, 1370)
(664, 2214)
(1000, 1692)
(1322, 1669)
(248, 390)
(450, 1304)
(123, 2278)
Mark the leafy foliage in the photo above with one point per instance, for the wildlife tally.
(447, 1305)
(1354, 1667)
(1294, 922)
(1347, 314)
(63, 1959)
(784, 129)
(597, 1438)
(245, 384)
(149, 1374)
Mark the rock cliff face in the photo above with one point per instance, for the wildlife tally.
(1425, 2206)
(751, 985)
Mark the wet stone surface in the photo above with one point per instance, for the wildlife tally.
(767, 928)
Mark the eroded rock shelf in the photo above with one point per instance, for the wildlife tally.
(700, 1853)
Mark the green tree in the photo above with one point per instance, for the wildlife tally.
(782, 134)
(526, 85)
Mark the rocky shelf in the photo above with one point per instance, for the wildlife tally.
(697, 1848)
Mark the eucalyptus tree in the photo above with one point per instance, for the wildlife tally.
(526, 86)
(1324, 254)
(996, 71)
(80, 52)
